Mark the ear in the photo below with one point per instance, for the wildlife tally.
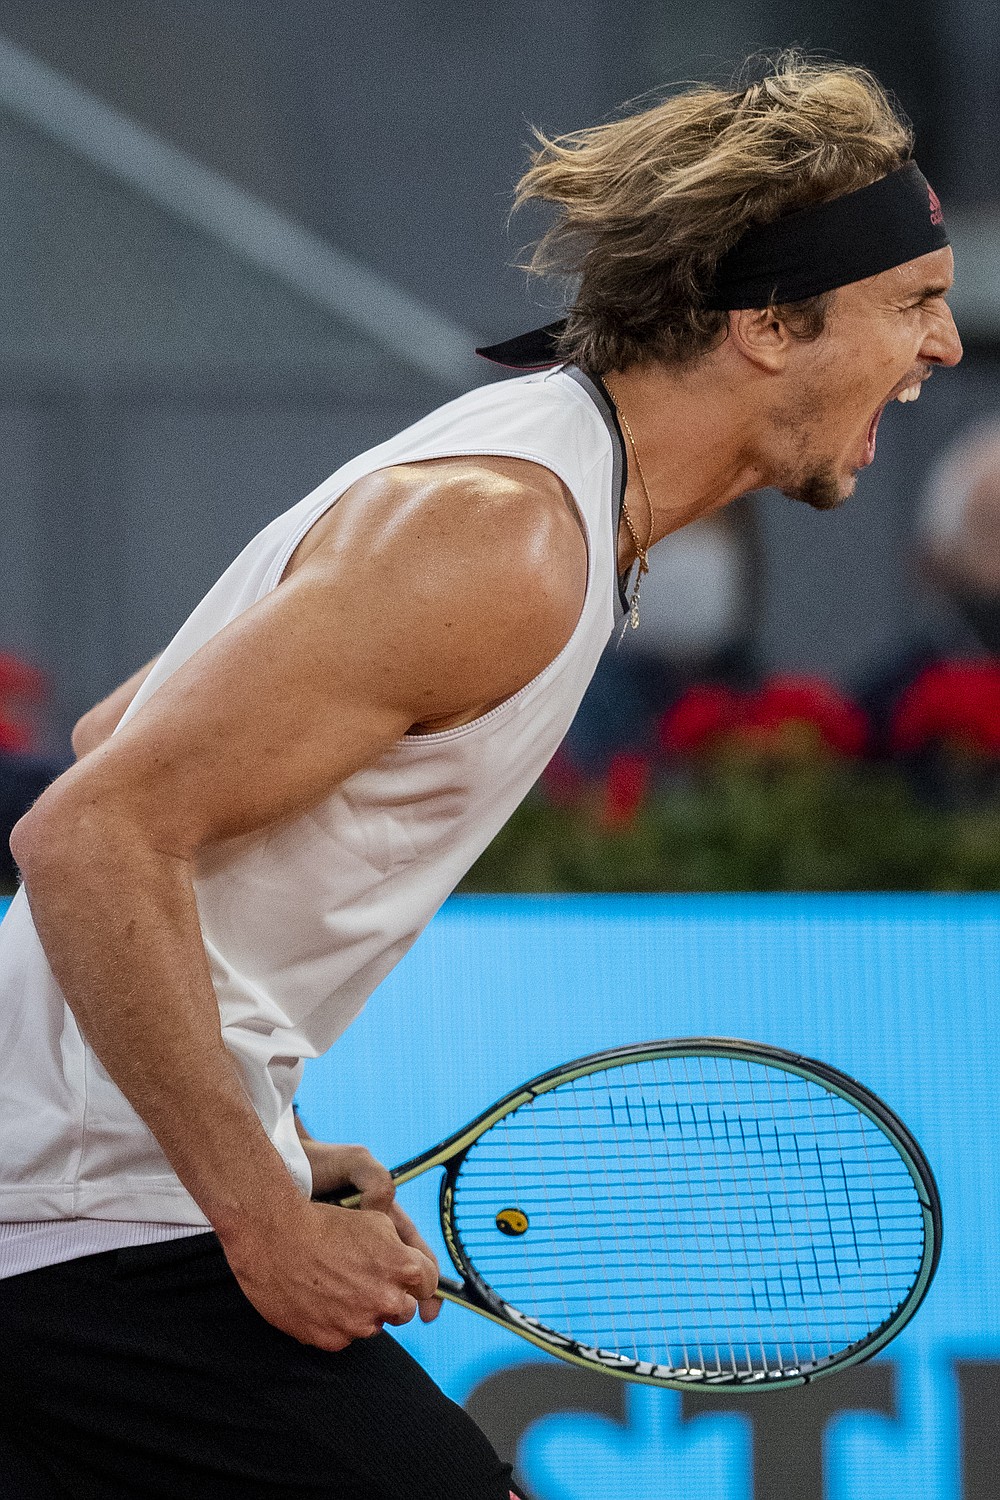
(761, 337)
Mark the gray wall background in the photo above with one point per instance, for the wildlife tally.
(161, 396)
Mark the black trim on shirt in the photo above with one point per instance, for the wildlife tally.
(539, 350)
(598, 393)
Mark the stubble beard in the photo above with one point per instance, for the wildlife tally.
(812, 480)
(818, 487)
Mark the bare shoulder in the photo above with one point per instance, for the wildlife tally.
(425, 597)
(482, 561)
(456, 503)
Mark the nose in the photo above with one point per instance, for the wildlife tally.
(942, 346)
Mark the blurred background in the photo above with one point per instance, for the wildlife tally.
(243, 243)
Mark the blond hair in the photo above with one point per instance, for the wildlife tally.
(648, 204)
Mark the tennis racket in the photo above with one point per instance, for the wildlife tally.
(703, 1213)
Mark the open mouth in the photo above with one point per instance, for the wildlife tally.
(904, 392)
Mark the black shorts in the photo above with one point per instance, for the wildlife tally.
(146, 1373)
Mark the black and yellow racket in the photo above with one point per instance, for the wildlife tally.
(704, 1213)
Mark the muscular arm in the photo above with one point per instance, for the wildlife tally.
(99, 722)
(431, 592)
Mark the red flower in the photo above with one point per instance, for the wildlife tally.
(14, 737)
(770, 720)
(786, 703)
(20, 680)
(698, 719)
(562, 780)
(625, 788)
(954, 702)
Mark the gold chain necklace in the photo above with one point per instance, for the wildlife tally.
(641, 552)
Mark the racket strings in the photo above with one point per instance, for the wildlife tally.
(695, 1214)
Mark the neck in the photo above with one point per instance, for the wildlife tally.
(692, 436)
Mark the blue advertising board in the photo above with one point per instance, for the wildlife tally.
(899, 991)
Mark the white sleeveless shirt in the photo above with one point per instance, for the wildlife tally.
(302, 921)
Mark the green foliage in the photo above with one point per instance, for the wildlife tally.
(738, 825)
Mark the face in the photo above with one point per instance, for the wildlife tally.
(883, 338)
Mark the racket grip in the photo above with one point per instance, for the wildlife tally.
(339, 1199)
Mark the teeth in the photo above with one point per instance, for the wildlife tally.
(910, 394)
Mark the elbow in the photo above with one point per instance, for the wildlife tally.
(79, 738)
(29, 838)
(86, 735)
(75, 833)
(50, 835)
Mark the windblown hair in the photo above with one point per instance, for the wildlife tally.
(648, 204)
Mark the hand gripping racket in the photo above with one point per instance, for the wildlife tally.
(702, 1213)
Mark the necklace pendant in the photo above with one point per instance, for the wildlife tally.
(634, 613)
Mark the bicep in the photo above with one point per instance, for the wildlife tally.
(257, 725)
(477, 591)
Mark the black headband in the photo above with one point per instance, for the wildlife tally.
(807, 252)
(832, 244)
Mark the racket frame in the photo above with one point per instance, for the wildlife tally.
(475, 1293)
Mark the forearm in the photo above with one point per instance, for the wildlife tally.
(100, 721)
(119, 925)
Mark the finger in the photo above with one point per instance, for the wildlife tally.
(333, 1343)
(349, 1170)
(429, 1309)
(372, 1180)
(409, 1233)
(420, 1275)
(404, 1312)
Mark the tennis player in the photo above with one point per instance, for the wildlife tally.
(260, 824)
